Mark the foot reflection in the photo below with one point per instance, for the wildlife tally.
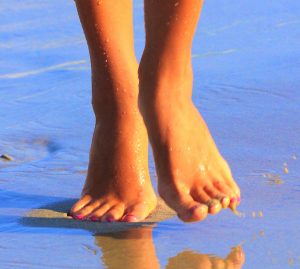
(134, 249)
(193, 260)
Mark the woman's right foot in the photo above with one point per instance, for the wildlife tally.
(193, 177)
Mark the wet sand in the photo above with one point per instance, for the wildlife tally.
(246, 62)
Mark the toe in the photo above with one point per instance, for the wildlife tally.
(229, 192)
(190, 210)
(82, 202)
(225, 201)
(97, 214)
(212, 201)
(234, 187)
(227, 175)
(87, 210)
(214, 206)
(137, 212)
(114, 213)
(218, 200)
(200, 195)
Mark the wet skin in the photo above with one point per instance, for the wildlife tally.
(118, 186)
(193, 178)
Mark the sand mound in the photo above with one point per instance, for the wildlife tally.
(55, 215)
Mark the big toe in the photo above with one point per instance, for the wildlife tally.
(137, 212)
(189, 210)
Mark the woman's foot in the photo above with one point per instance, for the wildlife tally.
(193, 178)
(118, 186)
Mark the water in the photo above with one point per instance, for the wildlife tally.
(246, 62)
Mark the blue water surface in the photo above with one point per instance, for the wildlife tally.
(246, 62)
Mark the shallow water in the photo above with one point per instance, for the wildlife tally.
(246, 60)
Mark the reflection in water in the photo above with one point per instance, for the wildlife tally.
(193, 260)
(135, 249)
(132, 249)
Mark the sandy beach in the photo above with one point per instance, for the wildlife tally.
(246, 85)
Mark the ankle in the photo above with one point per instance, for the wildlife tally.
(115, 96)
(161, 82)
(157, 64)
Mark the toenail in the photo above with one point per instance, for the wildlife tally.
(225, 201)
(78, 217)
(129, 218)
(193, 208)
(238, 199)
(213, 202)
(233, 200)
(110, 219)
(94, 219)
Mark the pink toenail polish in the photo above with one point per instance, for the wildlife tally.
(129, 218)
(193, 208)
(238, 199)
(203, 208)
(78, 217)
(110, 219)
(94, 219)
(233, 200)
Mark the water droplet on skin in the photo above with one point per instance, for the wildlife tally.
(99, 2)
(202, 168)
(176, 4)
(106, 40)
(176, 171)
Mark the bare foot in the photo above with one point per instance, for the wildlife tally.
(193, 178)
(118, 186)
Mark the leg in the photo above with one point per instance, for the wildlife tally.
(193, 177)
(118, 184)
